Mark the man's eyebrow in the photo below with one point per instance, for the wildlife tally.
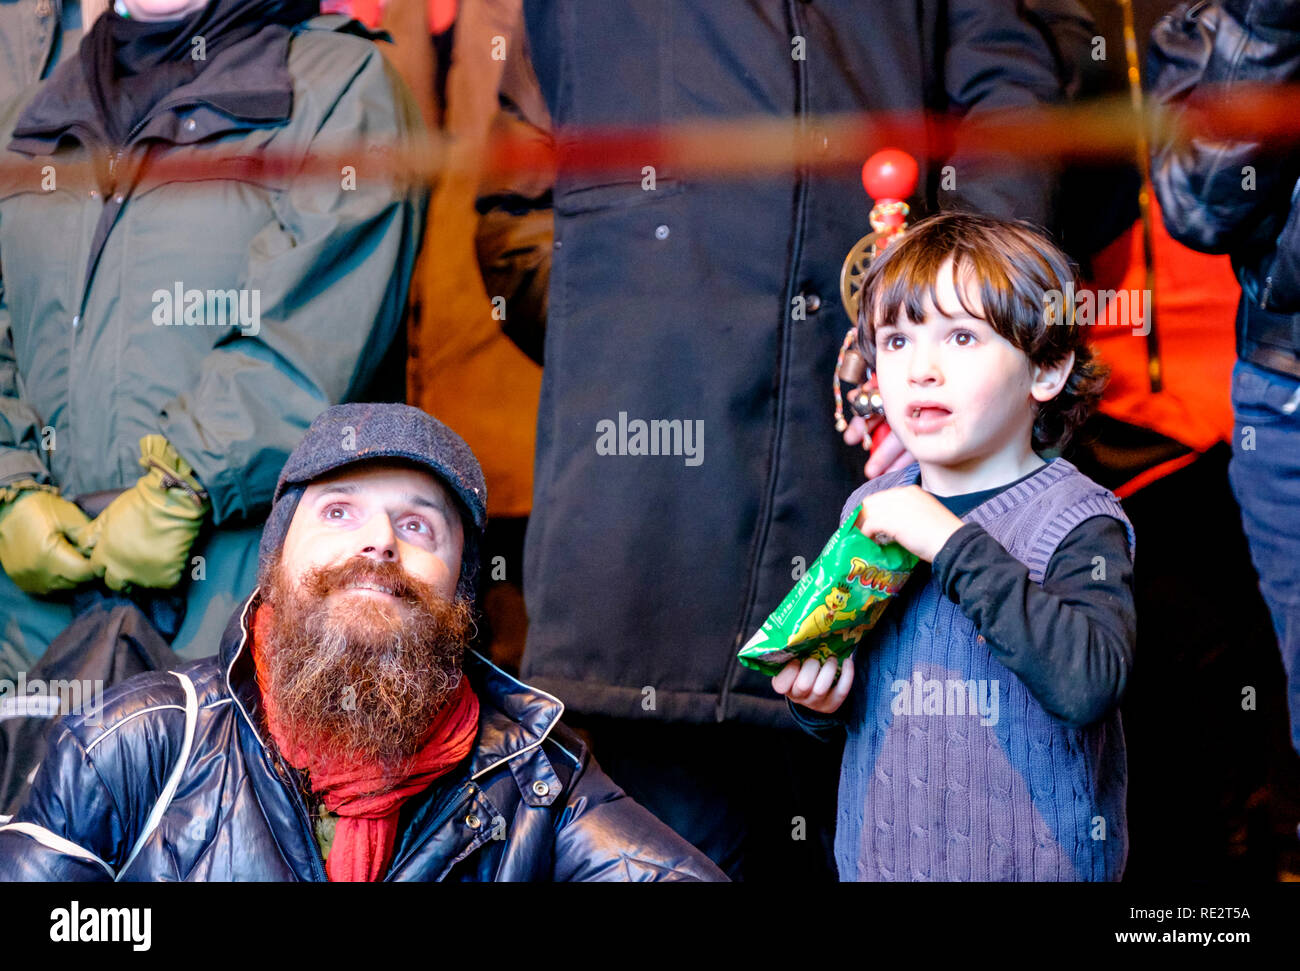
(431, 502)
(406, 498)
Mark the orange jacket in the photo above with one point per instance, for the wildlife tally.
(1195, 305)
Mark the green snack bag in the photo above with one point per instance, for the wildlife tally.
(834, 604)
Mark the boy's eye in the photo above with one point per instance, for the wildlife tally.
(892, 341)
(964, 338)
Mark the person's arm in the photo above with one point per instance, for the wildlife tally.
(1216, 194)
(332, 270)
(824, 728)
(1071, 31)
(20, 426)
(606, 836)
(1070, 640)
(997, 62)
(67, 828)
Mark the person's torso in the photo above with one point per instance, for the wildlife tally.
(116, 298)
(237, 814)
(952, 770)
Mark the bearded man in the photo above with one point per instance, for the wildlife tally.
(344, 731)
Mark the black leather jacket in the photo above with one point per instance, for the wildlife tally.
(1236, 197)
(174, 781)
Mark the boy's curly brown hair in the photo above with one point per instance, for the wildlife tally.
(1015, 270)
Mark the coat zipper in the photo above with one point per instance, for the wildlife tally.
(267, 755)
(304, 818)
(801, 196)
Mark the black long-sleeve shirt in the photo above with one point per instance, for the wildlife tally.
(1069, 640)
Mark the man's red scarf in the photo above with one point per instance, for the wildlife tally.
(367, 825)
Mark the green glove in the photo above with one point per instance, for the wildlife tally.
(143, 537)
(35, 525)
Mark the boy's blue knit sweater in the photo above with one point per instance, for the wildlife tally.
(952, 770)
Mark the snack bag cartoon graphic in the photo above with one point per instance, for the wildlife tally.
(834, 604)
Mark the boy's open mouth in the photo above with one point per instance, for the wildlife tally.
(927, 416)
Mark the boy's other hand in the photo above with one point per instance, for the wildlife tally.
(813, 684)
(909, 516)
(889, 455)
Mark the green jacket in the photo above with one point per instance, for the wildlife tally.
(95, 349)
(35, 35)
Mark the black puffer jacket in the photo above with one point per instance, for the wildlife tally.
(174, 782)
(1235, 197)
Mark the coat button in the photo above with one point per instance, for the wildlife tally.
(191, 124)
(980, 639)
(94, 193)
(661, 232)
(541, 788)
(76, 321)
(473, 822)
(813, 303)
(118, 198)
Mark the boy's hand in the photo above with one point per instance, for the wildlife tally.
(911, 517)
(890, 455)
(812, 683)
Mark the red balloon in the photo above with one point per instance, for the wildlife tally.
(890, 174)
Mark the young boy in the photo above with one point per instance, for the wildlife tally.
(984, 738)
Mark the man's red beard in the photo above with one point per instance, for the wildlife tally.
(357, 677)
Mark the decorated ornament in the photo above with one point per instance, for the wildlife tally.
(889, 177)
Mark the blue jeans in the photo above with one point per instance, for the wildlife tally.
(1265, 475)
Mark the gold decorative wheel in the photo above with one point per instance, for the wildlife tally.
(851, 274)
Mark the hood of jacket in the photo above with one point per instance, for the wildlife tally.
(246, 84)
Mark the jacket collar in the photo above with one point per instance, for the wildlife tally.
(247, 85)
(514, 718)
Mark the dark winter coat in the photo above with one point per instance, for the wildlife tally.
(714, 303)
(107, 644)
